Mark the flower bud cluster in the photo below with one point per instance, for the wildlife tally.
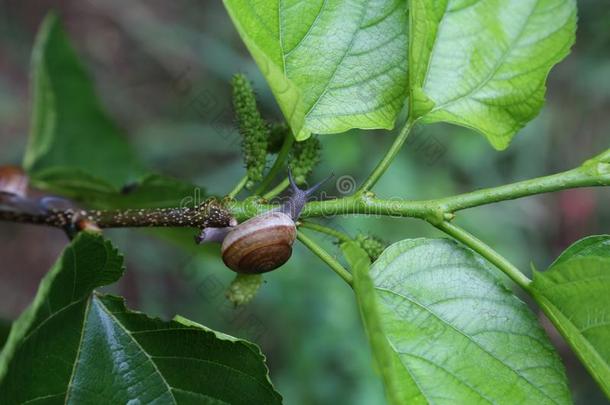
(303, 158)
(252, 127)
(260, 138)
(372, 245)
(243, 288)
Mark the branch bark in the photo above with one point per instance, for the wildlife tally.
(210, 213)
(214, 213)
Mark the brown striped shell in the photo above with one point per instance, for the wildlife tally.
(13, 180)
(260, 244)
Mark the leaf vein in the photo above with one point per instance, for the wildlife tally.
(340, 62)
(309, 30)
(493, 356)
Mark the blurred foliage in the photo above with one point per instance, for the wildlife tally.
(64, 129)
(163, 70)
(5, 329)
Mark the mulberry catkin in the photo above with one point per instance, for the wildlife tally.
(252, 127)
(304, 157)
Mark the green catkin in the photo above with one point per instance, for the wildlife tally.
(252, 127)
(372, 245)
(243, 288)
(303, 158)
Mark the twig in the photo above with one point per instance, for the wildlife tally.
(487, 252)
(326, 230)
(278, 165)
(238, 187)
(326, 258)
(277, 189)
(209, 214)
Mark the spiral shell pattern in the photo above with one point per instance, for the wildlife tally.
(260, 244)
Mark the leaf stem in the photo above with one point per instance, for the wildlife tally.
(277, 189)
(437, 210)
(487, 252)
(582, 176)
(383, 165)
(342, 237)
(326, 258)
(238, 187)
(277, 165)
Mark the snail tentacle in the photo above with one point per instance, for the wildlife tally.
(298, 198)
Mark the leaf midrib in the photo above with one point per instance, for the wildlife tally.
(309, 30)
(281, 36)
(338, 65)
(78, 351)
(135, 341)
(151, 358)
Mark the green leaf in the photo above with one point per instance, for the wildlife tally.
(332, 65)
(460, 335)
(153, 191)
(74, 148)
(400, 387)
(483, 64)
(603, 157)
(598, 165)
(75, 345)
(575, 294)
(69, 128)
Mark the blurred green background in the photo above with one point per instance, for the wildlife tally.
(154, 62)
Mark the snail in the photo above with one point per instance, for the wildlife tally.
(262, 243)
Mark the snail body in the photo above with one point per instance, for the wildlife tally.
(262, 243)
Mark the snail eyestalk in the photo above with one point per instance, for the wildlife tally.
(298, 198)
(315, 188)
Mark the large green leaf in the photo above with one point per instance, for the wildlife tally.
(460, 336)
(340, 64)
(74, 345)
(575, 294)
(69, 127)
(332, 65)
(483, 63)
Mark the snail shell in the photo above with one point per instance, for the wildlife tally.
(260, 244)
